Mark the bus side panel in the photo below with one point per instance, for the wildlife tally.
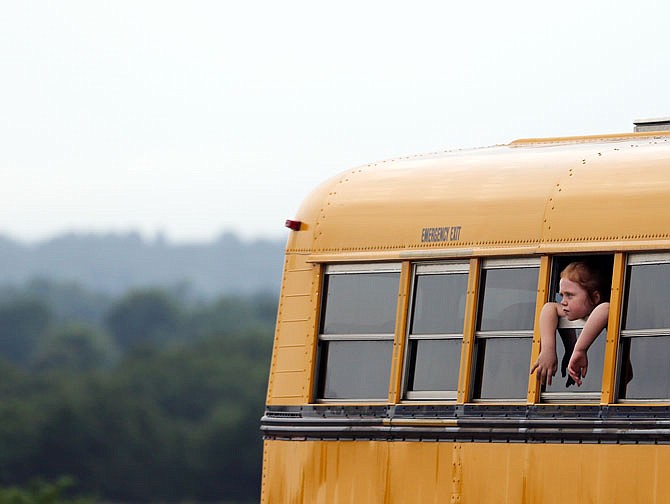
(400, 472)
(427, 474)
(325, 472)
(553, 473)
(293, 351)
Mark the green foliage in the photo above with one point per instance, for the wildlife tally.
(144, 316)
(41, 492)
(68, 301)
(22, 323)
(170, 416)
(76, 347)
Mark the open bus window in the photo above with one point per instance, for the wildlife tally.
(436, 320)
(356, 334)
(505, 319)
(645, 335)
(563, 387)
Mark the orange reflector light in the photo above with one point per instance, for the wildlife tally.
(293, 224)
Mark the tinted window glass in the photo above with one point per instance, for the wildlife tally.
(645, 373)
(363, 303)
(509, 298)
(434, 364)
(504, 365)
(355, 369)
(648, 297)
(357, 328)
(439, 305)
(644, 368)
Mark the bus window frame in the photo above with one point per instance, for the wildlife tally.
(349, 269)
(627, 335)
(574, 394)
(454, 267)
(477, 362)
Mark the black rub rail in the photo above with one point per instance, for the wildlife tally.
(471, 423)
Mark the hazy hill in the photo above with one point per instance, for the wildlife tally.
(114, 263)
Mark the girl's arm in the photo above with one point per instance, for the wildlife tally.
(547, 362)
(596, 322)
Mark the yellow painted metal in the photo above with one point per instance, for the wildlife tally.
(291, 369)
(613, 327)
(547, 196)
(399, 341)
(589, 138)
(469, 327)
(532, 197)
(332, 472)
(542, 297)
(615, 137)
(562, 195)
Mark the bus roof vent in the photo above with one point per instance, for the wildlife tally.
(660, 124)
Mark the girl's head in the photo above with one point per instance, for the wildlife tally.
(581, 290)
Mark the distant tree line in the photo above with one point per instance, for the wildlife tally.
(145, 397)
(116, 263)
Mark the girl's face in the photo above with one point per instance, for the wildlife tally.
(576, 302)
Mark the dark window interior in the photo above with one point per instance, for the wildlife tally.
(356, 338)
(505, 328)
(565, 338)
(504, 368)
(508, 300)
(436, 324)
(439, 304)
(644, 364)
(355, 369)
(434, 364)
(360, 303)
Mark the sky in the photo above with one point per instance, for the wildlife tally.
(187, 119)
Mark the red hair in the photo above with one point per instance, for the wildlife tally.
(588, 278)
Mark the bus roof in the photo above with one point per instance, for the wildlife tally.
(530, 196)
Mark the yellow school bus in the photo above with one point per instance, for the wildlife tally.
(408, 324)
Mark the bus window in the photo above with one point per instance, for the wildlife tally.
(435, 334)
(356, 334)
(645, 334)
(562, 386)
(505, 319)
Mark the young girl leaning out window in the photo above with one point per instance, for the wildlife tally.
(582, 297)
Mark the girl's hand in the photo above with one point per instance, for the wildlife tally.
(546, 365)
(578, 366)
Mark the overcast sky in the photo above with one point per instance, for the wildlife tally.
(191, 118)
